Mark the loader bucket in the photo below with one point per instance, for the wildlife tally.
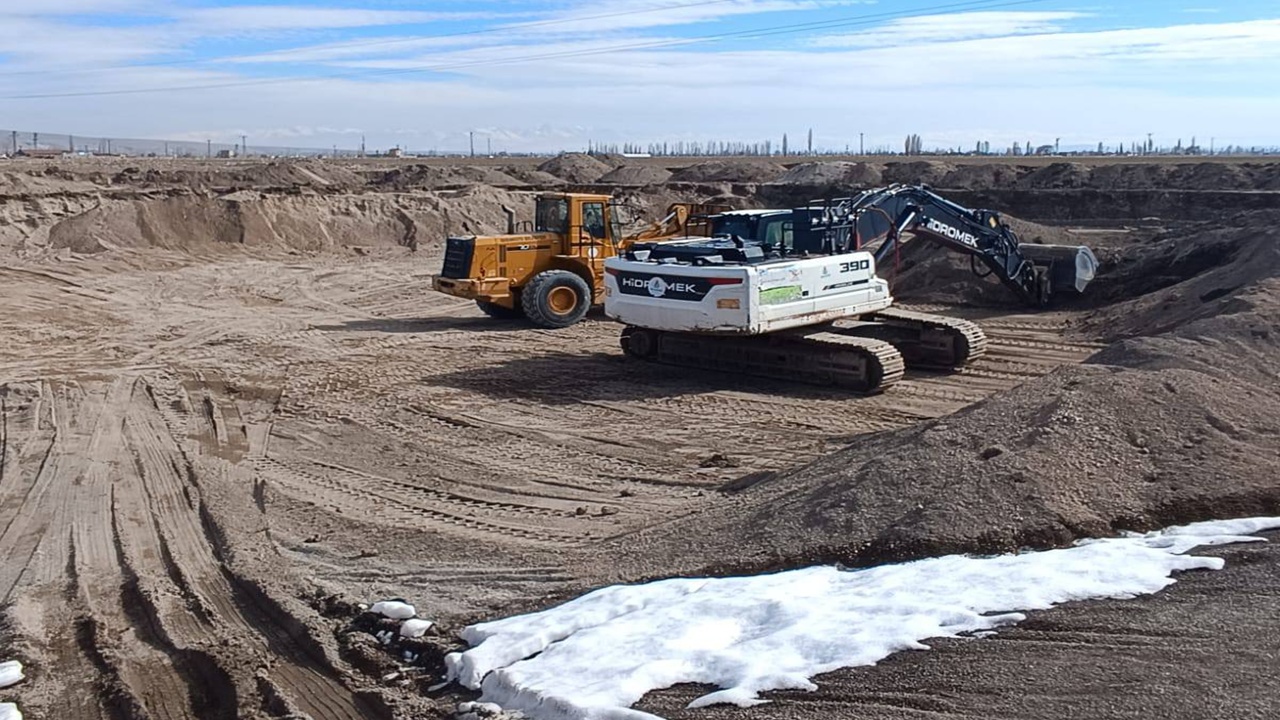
(1071, 267)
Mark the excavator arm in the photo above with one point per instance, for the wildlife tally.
(1036, 273)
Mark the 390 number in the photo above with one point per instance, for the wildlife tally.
(855, 266)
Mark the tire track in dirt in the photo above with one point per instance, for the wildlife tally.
(380, 501)
(140, 674)
(298, 670)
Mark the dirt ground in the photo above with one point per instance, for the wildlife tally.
(233, 408)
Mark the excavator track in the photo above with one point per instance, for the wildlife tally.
(858, 364)
(926, 341)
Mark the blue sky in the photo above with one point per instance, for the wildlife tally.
(554, 74)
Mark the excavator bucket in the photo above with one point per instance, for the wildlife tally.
(1070, 267)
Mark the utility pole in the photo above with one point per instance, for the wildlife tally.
(15, 142)
(71, 144)
(166, 149)
(362, 147)
(108, 146)
(861, 144)
(810, 150)
(244, 146)
(1211, 141)
(208, 148)
(488, 143)
(35, 140)
(472, 136)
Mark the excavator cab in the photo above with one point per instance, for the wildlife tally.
(551, 270)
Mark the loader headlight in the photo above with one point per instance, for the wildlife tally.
(729, 304)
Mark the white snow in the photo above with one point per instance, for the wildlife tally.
(593, 657)
(9, 711)
(10, 673)
(415, 628)
(393, 609)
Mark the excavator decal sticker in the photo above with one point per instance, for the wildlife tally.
(671, 287)
(779, 295)
(956, 234)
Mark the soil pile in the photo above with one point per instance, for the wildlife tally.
(928, 172)
(1057, 176)
(283, 174)
(739, 171)
(532, 177)
(1155, 430)
(1172, 280)
(434, 177)
(636, 175)
(308, 224)
(16, 184)
(576, 168)
(833, 174)
(979, 177)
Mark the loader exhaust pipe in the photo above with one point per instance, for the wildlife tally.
(511, 219)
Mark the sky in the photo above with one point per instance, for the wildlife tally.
(549, 75)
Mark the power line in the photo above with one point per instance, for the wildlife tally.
(368, 43)
(865, 19)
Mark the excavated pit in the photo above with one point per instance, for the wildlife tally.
(295, 423)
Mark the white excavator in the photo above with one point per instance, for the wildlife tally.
(794, 294)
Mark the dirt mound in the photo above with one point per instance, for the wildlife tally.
(1131, 177)
(636, 175)
(929, 172)
(435, 177)
(532, 177)
(980, 177)
(280, 174)
(833, 174)
(577, 168)
(34, 184)
(1178, 278)
(1057, 176)
(1211, 176)
(308, 224)
(738, 171)
(1154, 430)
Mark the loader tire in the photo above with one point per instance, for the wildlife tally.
(499, 312)
(556, 299)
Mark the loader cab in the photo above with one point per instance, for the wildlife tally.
(584, 223)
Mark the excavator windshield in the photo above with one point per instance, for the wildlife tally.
(551, 214)
(743, 226)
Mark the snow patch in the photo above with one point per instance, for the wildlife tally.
(10, 673)
(9, 711)
(593, 657)
(415, 628)
(393, 609)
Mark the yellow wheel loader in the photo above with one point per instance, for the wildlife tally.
(553, 272)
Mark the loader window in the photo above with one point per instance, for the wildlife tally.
(551, 215)
(593, 219)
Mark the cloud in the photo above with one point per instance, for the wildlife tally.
(617, 15)
(259, 18)
(952, 27)
(954, 79)
(42, 8)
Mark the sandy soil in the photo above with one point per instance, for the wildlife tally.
(232, 408)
